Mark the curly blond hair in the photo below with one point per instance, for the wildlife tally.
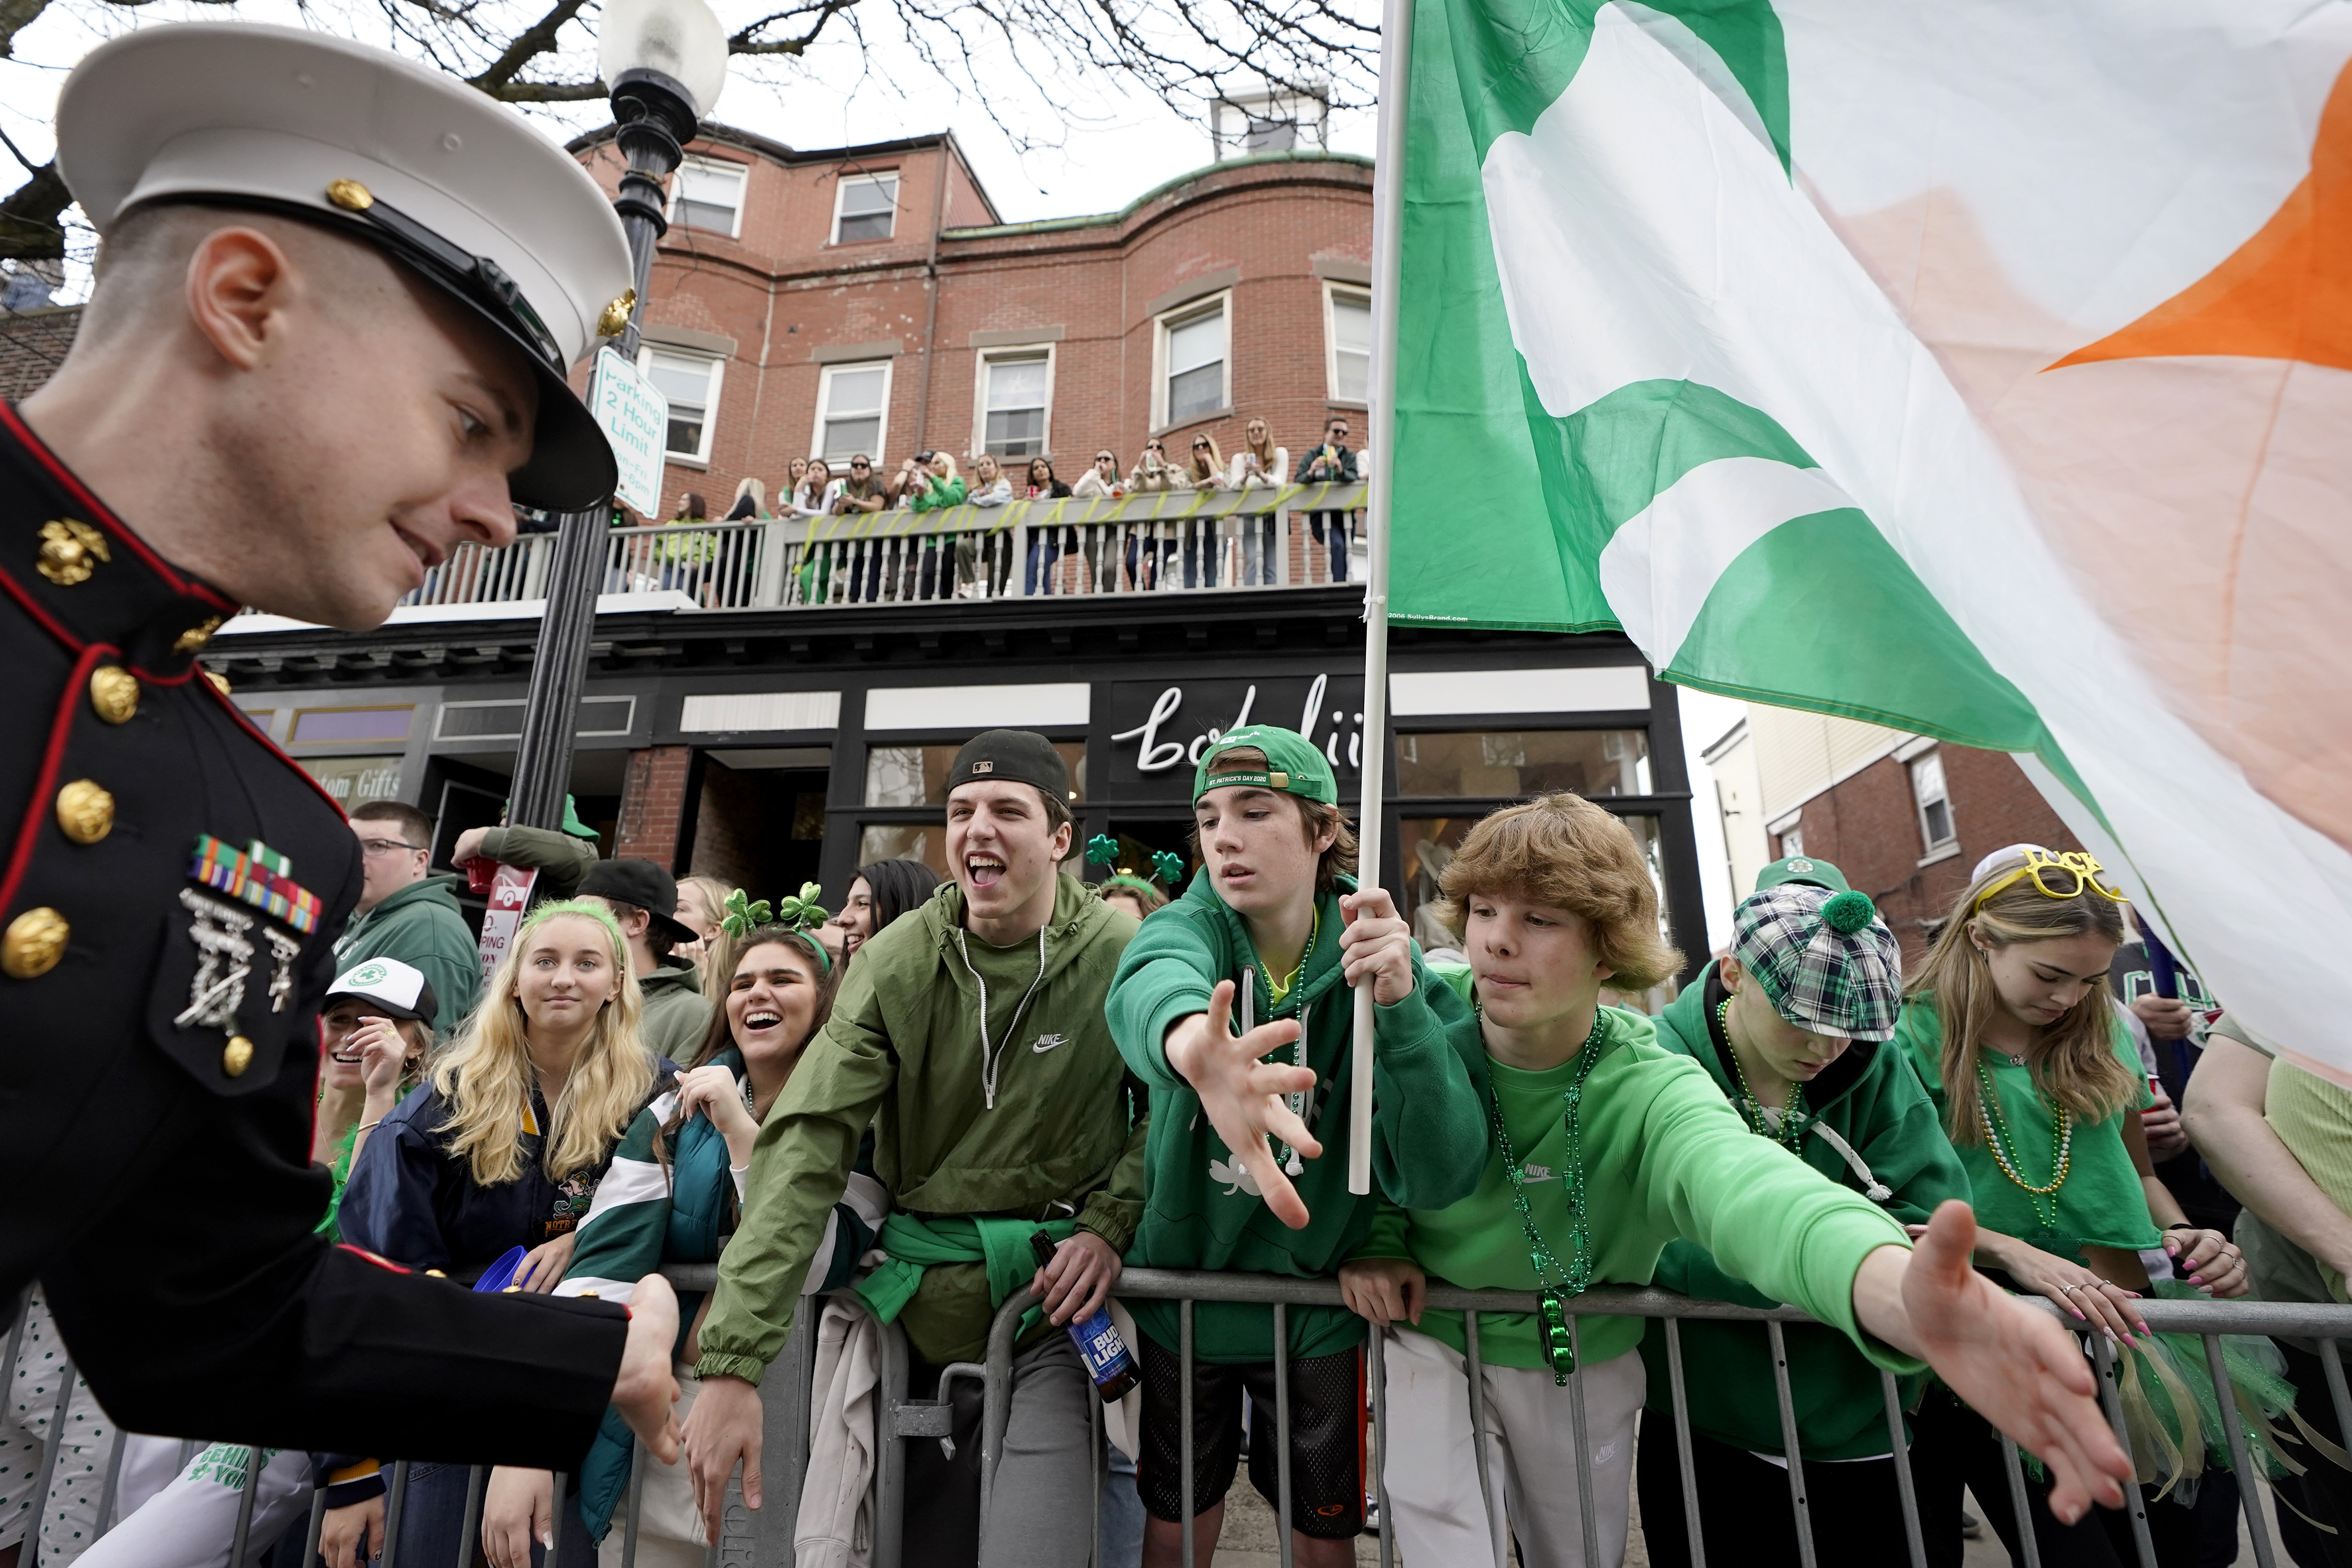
(1564, 851)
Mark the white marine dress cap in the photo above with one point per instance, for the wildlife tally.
(456, 185)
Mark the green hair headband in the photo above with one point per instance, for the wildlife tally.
(556, 908)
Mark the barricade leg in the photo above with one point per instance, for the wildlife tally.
(1380, 1380)
(2027, 1543)
(1804, 1522)
(244, 1530)
(1473, 1373)
(1900, 1451)
(1184, 1422)
(1683, 1445)
(1282, 1433)
(317, 1524)
(635, 1502)
(477, 1482)
(396, 1499)
(2257, 1528)
(1587, 1512)
(2110, 1368)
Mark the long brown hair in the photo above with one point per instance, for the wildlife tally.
(2077, 1066)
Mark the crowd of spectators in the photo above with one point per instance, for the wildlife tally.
(661, 1073)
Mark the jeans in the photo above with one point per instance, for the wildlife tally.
(434, 1515)
(1045, 558)
(1338, 541)
(1122, 1511)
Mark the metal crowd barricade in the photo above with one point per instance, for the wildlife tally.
(2211, 1321)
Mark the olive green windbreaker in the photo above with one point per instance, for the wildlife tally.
(1049, 1122)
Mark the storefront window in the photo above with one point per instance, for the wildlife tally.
(355, 781)
(916, 775)
(351, 725)
(1425, 844)
(1508, 763)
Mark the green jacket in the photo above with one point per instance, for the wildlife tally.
(1871, 1097)
(675, 1011)
(1663, 1156)
(1200, 1210)
(559, 859)
(421, 926)
(939, 494)
(1041, 1130)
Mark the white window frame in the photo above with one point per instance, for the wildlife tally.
(841, 189)
(742, 173)
(981, 362)
(1191, 310)
(1331, 292)
(825, 397)
(717, 363)
(1919, 802)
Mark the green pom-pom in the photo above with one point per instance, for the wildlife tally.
(1848, 912)
(1102, 849)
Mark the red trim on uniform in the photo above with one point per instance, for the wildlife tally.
(45, 781)
(273, 748)
(103, 513)
(26, 603)
(386, 1264)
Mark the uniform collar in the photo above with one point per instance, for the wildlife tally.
(84, 576)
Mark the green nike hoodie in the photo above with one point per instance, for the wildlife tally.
(992, 1089)
(1200, 1208)
(421, 926)
(1869, 1101)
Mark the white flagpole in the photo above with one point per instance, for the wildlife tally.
(1387, 248)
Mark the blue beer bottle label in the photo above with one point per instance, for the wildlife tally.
(1100, 1347)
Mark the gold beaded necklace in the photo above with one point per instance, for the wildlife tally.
(1996, 1134)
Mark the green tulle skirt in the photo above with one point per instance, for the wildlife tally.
(2173, 1417)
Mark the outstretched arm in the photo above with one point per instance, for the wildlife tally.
(2013, 1363)
(1244, 1096)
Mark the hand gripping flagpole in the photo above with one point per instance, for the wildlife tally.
(1387, 248)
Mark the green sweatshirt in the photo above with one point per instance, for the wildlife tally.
(421, 925)
(1200, 1210)
(1664, 1156)
(675, 1012)
(1870, 1097)
(1035, 1129)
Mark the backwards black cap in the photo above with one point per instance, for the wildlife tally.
(1017, 756)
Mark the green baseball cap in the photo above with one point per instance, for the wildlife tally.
(1292, 764)
(1803, 871)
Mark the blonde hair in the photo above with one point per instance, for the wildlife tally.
(944, 456)
(484, 1075)
(757, 490)
(1216, 465)
(708, 894)
(2077, 1066)
(1262, 451)
(986, 463)
(1562, 851)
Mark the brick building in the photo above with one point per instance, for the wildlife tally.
(867, 299)
(1905, 817)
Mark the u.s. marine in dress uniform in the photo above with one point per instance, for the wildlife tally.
(327, 342)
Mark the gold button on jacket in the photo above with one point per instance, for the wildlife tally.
(113, 693)
(33, 943)
(84, 811)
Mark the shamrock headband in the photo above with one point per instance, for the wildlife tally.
(2072, 871)
(797, 915)
(1102, 849)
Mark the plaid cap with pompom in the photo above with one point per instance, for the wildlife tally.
(1827, 962)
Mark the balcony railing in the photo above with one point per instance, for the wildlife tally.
(1297, 536)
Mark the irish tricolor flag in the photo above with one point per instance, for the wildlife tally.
(1976, 367)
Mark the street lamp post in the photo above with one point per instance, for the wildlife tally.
(667, 62)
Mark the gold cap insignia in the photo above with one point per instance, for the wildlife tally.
(70, 549)
(352, 196)
(196, 637)
(615, 319)
(113, 693)
(33, 943)
(84, 811)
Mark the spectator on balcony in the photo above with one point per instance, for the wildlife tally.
(1204, 470)
(1259, 465)
(407, 913)
(990, 490)
(505, 1144)
(935, 486)
(1100, 482)
(858, 497)
(1330, 464)
(1154, 473)
(814, 492)
(750, 500)
(1043, 485)
(680, 553)
(795, 472)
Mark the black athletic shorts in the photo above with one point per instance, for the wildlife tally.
(1327, 1437)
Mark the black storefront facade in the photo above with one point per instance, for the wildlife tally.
(772, 746)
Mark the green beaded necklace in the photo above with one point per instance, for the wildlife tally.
(1789, 1131)
(1294, 995)
(1576, 1277)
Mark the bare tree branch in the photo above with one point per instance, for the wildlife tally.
(30, 225)
(533, 41)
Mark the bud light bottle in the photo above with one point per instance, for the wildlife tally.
(1096, 1336)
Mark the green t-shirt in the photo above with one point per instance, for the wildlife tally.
(1664, 1156)
(2101, 1203)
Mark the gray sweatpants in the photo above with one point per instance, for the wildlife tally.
(1042, 1513)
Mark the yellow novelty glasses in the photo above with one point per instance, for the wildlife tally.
(2057, 877)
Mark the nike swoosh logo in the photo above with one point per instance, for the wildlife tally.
(1047, 1042)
